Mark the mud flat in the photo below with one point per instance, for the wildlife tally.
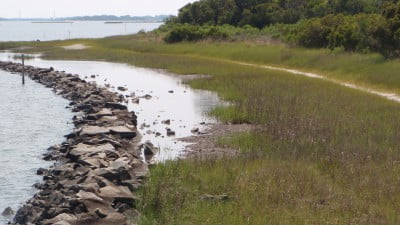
(97, 168)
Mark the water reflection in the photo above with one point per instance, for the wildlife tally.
(170, 99)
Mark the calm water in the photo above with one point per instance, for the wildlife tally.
(32, 118)
(28, 31)
(185, 107)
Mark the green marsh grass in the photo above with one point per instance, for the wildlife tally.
(321, 154)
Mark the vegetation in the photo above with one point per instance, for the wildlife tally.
(325, 156)
(322, 154)
(356, 25)
(260, 13)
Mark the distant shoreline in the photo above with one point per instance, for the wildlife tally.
(51, 21)
(104, 21)
(127, 18)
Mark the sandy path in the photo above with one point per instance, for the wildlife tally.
(387, 95)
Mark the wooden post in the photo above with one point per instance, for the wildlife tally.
(23, 69)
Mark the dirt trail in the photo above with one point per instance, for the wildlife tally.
(76, 47)
(387, 95)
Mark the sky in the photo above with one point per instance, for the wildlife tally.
(65, 8)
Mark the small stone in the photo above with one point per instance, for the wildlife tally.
(41, 171)
(149, 149)
(122, 89)
(195, 130)
(8, 212)
(147, 97)
(89, 196)
(170, 132)
(135, 100)
(168, 122)
(100, 213)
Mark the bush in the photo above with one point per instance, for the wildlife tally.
(362, 33)
(187, 32)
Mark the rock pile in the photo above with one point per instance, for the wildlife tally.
(97, 167)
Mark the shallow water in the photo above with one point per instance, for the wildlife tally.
(28, 31)
(32, 119)
(185, 107)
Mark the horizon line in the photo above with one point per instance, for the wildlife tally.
(24, 18)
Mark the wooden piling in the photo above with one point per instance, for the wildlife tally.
(23, 69)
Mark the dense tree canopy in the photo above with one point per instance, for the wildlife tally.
(354, 25)
(260, 13)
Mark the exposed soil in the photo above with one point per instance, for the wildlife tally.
(204, 144)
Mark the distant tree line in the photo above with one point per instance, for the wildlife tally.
(354, 25)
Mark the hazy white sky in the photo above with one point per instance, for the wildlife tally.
(64, 8)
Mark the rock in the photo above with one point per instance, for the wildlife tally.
(93, 76)
(121, 162)
(147, 97)
(149, 149)
(170, 132)
(114, 105)
(8, 212)
(123, 132)
(104, 112)
(90, 187)
(122, 89)
(23, 214)
(88, 218)
(64, 217)
(171, 91)
(131, 184)
(168, 122)
(93, 162)
(62, 223)
(114, 218)
(41, 171)
(114, 175)
(109, 118)
(100, 213)
(117, 194)
(93, 130)
(82, 195)
(195, 130)
(83, 149)
(135, 100)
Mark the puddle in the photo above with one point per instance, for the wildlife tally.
(170, 99)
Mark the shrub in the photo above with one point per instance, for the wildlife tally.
(185, 32)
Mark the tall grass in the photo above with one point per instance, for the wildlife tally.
(365, 69)
(323, 154)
